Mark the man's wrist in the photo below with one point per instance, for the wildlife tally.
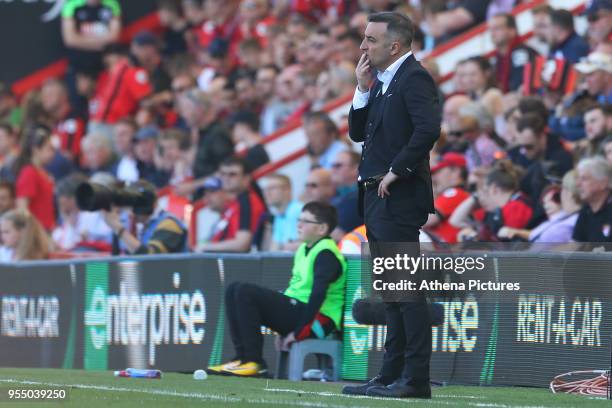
(361, 89)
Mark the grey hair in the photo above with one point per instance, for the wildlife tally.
(598, 167)
(98, 140)
(479, 112)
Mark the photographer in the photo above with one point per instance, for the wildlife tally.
(161, 232)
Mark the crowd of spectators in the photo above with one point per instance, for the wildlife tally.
(525, 152)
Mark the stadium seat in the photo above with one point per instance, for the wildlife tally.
(298, 352)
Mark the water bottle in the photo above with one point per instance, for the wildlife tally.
(138, 373)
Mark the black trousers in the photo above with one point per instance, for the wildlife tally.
(248, 308)
(408, 341)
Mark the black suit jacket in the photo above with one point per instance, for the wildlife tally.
(401, 132)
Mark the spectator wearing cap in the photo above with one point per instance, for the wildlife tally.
(208, 219)
(565, 42)
(145, 143)
(285, 212)
(211, 142)
(9, 150)
(146, 52)
(10, 112)
(449, 177)
(247, 140)
(323, 139)
(594, 222)
(97, 154)
(243, 217)
(216, 62)
(121, 94)
(544, 159)
(597, 68)
(599, 16)
(123, 143)
(510, 56)
(561, 204)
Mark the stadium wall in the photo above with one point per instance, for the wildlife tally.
(167, 312)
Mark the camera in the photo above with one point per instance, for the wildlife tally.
(140, 196)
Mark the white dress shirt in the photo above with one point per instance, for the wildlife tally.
(360, 99)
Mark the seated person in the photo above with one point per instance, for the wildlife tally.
(310, 307)
(503, 204)
(162, 232)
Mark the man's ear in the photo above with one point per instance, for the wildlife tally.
(395, 47)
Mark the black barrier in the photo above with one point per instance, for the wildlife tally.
(168, 312)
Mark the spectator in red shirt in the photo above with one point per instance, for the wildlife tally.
(511, 56)
(448, 177)
(68, 128)
(34, 186)
(125, 88)
(255, 20)
(241, 221)
(504, 205)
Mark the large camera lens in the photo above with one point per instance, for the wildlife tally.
(93, 197)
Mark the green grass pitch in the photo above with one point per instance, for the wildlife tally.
(92, 389)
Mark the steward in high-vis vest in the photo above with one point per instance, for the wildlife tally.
(310, 307)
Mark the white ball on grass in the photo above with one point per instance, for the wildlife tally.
(200, 375)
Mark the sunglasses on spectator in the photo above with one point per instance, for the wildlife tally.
(229, 173)
(311, 185)
(304, 221)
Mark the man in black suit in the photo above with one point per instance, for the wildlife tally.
(398, 120)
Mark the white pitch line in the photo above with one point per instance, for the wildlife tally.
(412, 401)
(334, 394)
(216, 397)
(196, 395)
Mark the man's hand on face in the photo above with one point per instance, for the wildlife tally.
(363, 73)
(112, 219)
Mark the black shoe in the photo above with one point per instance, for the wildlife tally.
(362, 389)
(400, 390)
